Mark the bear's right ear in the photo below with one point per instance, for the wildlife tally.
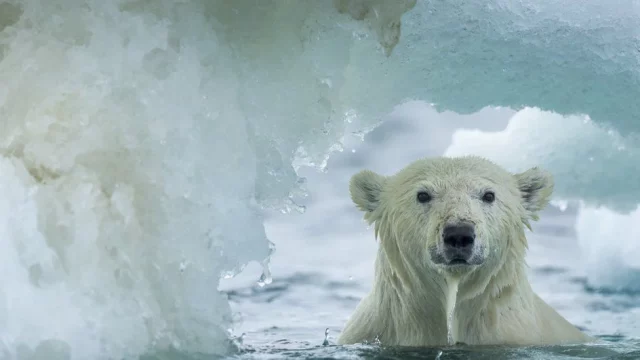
(536, 187)
(365, 188)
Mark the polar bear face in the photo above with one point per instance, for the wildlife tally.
(454, 215)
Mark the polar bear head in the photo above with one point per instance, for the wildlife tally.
(452, 215)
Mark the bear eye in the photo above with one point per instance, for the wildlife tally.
(489, 197)
(423, 197)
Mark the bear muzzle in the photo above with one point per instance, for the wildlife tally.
(458, 245)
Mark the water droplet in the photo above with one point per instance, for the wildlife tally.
(377, 340)
(183, 265)
(327, 82)
(238, 340)
(272, 247)
(265, 278)
(439, 355)
(326, 337)
(288, 205)
(350, 277)
(350, 115)
(359, 134)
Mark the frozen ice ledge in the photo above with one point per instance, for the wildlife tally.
(139, 140)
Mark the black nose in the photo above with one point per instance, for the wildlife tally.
(459, 236)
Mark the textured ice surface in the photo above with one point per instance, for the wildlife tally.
(464, 55)
(139, 141)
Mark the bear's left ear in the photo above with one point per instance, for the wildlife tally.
(365, 188)
(536, 187)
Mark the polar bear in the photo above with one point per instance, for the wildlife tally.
(451, 262)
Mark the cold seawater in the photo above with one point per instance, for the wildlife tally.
(324, 264)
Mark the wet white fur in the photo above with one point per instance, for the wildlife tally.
(495, 303)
